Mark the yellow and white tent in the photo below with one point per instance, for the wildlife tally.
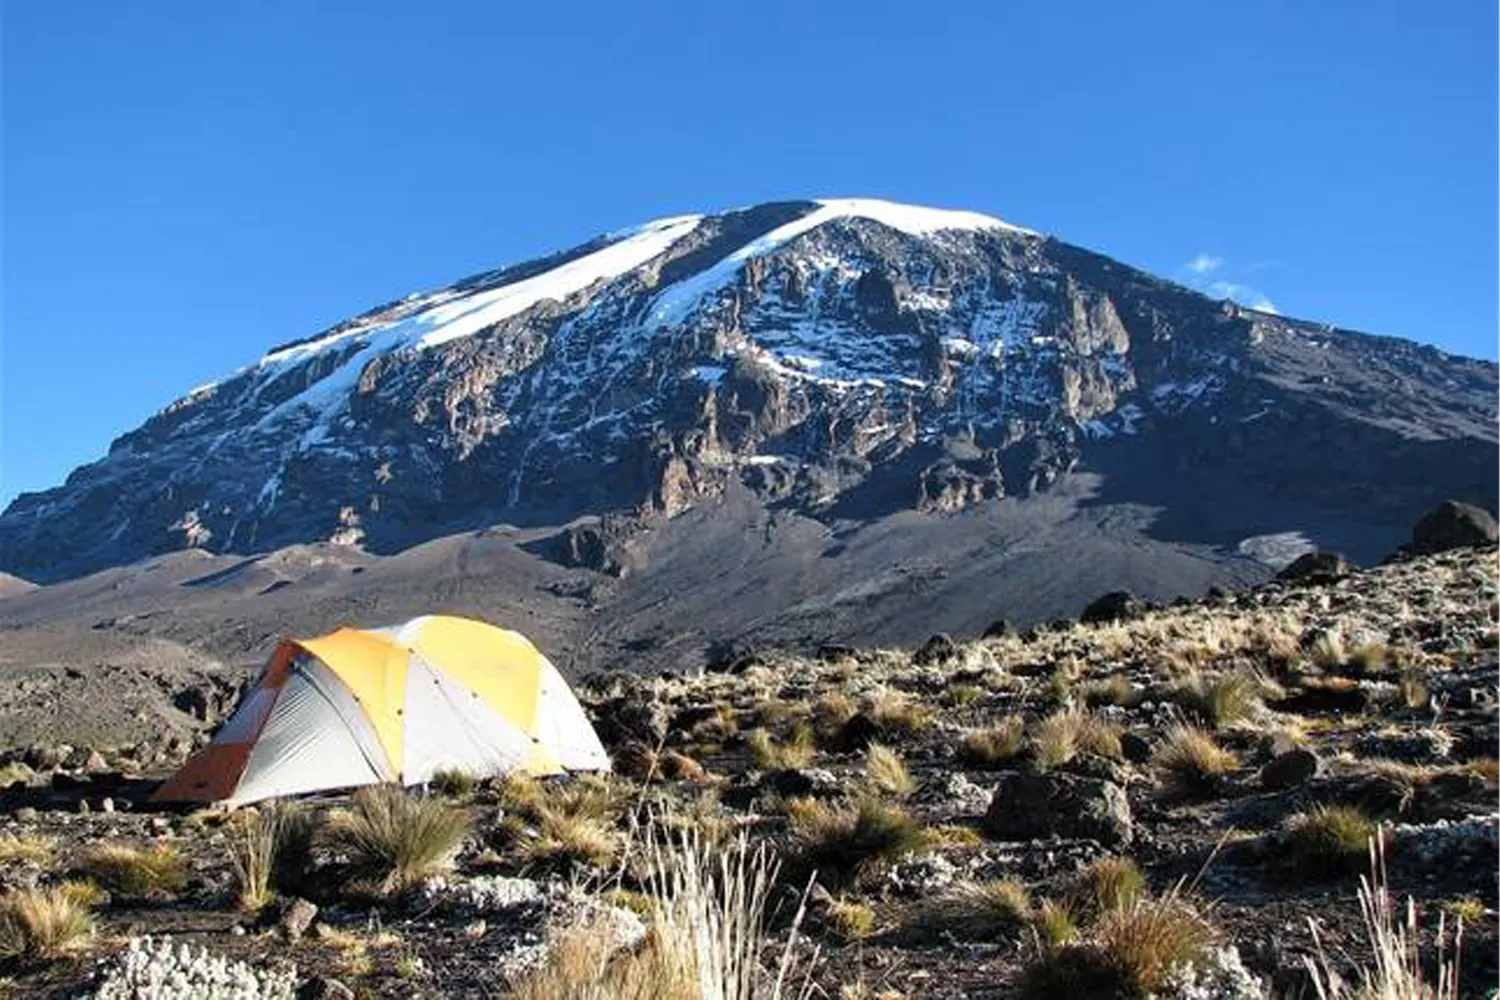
(360, 707)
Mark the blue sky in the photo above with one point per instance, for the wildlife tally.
(187, 184)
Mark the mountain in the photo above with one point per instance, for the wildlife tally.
(811, 398)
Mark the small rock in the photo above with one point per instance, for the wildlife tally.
(859, 732)
(831, 652)
(296, 916)
(1295, 767)
(799, 782)
(1135, 748)
(107, 805)
(324, 988)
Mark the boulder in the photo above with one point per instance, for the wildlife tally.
(1028, 805)
(1117, 605)
(1452, 525)
(1315, 568)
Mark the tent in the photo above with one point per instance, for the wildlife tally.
(359, 707)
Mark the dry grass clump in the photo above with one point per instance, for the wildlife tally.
(797, 750)
(1329, 837)
(834, 709)
(850, 920)
(1062, 735)
(1413, 691)
(1220, 699)
(1106, 886)
(706, 936)
(1190, 765)
(453, 782)
(986, 911)
(1115, 689)
(994, 745)
(42, 923)
(566, 825)
(960, 695)
(1396, 971)
(134, 871)
(898, 713)
(269, 849)
(1129, 952)
(394, 840)
(840, 841)
(886, 772)
(26, 847)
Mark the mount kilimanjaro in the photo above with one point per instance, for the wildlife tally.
(802, 420)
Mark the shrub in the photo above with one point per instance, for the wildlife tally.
(394, 840)
(988, 911)
(1189, 764)
(42, 923)
(1329, 837)
(269, 849)
(797, 751)
(133, 871)
(886, 772)
(994, 745)
(841, 841)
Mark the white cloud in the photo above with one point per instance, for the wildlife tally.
(1205, 263)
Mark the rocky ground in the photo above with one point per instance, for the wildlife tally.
(969, 816)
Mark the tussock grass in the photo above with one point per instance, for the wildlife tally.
(987, 911)
(1062, 735)
(707, 936)
(35, 848)
(1220, 699)
(394, 840)
(269, 849)
(135, 871)
(1054, 924)
(886, 773)
(840, 841)
(1329, 837)
(453, 782)
(1129, 952)
(42, 923)
(1190, 765)
(798, 750)
(1115, 689)
(1108, 885)
(1396, 970)
(898, 713)
(566, 825)
(850, 919)
(995, 745)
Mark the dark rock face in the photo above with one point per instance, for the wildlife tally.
(1315, 568)
(1027, 806)
(1452, 525)
(846, 360)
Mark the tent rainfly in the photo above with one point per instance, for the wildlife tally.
(361, 707)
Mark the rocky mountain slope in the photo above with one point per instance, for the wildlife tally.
(839, 361)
